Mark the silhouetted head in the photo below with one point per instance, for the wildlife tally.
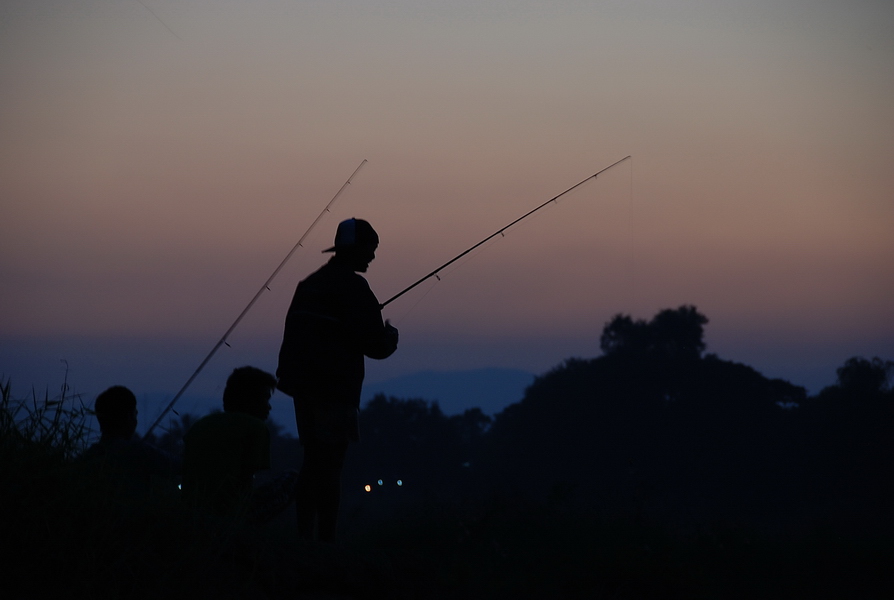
(116, 411)
(355, 243)
(248, 391)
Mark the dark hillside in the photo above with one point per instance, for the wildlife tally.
(653, 471)
(648, 427)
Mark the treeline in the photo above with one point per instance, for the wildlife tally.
(656, 427)
(652, 470)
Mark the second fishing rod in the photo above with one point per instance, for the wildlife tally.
(500, 231)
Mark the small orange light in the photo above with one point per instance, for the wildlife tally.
(367, 487)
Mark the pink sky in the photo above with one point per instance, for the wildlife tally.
(158, 160)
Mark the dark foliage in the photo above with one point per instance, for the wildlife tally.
(671, 333)
(654, 470)
(861, 379)
(654, 427)
(412, 453)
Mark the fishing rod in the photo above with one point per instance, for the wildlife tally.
(495, 234)
(266, 286)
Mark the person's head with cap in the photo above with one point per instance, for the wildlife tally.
(356, 242)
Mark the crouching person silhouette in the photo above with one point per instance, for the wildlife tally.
(223, 451)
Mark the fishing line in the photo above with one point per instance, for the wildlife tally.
(399, 320)
(264, 287)
(631, 249)
(443, 274)
(159, 19)
(500, 232)
(448, 271)
(440, 276)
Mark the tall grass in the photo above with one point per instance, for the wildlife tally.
(51, 427)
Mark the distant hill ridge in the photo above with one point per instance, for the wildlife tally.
(490, 389)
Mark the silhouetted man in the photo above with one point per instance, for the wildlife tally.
(223, 451)
(334, 321)
(126, 461)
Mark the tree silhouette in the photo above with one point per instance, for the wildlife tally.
(672, 333)
(861, 377)
(624, 335)
(656, 421)
(679, 333)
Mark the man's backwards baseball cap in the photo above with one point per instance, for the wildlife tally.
(354, 232)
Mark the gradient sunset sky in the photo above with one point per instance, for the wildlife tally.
(158, 159)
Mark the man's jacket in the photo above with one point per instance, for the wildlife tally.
(333, 322)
